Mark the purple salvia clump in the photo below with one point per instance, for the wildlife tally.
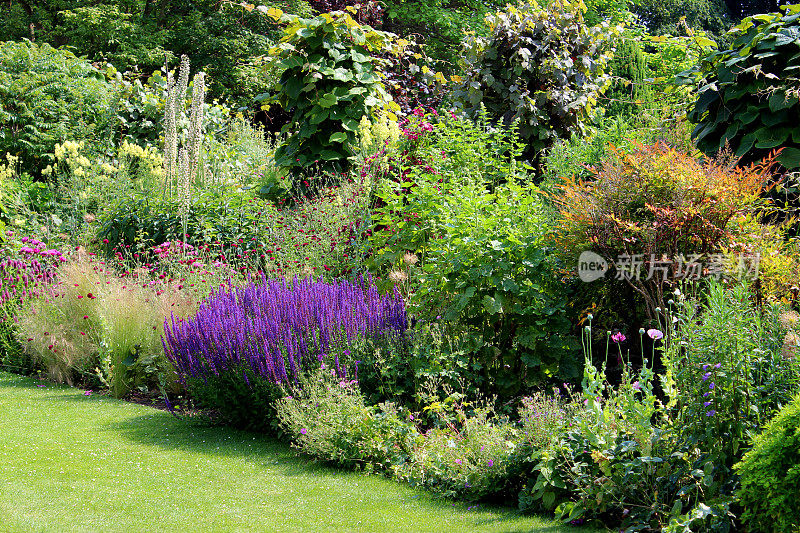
(278, 328)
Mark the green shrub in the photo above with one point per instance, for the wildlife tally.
(315, 236)
(48, 96)
(435, 361)
(542, 66)
(246, 404)
(494, 272)
(329, 81)
(328, 419)
(747, 94)
(461, 233)
(630, 89)
(474, 458)
(225, 215)
(726, 367)
(770, 475)
(440, 156)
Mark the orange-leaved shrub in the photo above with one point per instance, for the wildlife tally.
(650, 211)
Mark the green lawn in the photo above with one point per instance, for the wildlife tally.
(70, 462)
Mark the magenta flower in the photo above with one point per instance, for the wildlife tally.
(655, 334)
(618, 337)
(490, 463)
(87, 393)
(303, 431)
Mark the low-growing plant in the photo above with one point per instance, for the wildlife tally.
(616, 460)
(327, 418)
(472, 458)
(27, 270)
(95, 327)
(543, 415)
(726, 375)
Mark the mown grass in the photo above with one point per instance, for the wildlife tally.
(71, 462)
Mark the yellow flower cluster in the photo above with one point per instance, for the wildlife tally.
(69, 154)
(8, 169)
(376, 133)
(145, 161)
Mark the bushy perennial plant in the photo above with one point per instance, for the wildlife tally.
(27, 269)
(278, 328)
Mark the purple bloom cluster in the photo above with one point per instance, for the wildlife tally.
(25, 278)
(276, 328)
(37, 247)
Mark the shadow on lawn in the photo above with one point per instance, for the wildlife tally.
(164, 430)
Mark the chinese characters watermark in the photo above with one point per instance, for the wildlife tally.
(592, 266)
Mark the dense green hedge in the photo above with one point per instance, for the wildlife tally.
(770, 471)
(48, 96)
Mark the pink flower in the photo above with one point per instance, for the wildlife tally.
(458, 461)
(87, 393)
(303, 431)
(655, 334)
(618, 337)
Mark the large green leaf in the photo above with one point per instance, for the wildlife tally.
(342, 74)
(327, 100)
(770, 119)
(768, 138)
(349, 124)
(790, 157)
(780, 101)
(330, 155)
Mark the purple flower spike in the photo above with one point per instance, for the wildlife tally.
(277, 328)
